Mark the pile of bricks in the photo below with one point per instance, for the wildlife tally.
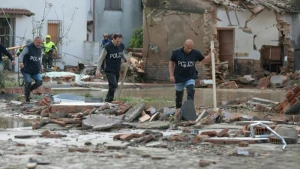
(291, 99)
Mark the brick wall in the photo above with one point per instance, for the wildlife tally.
(168, 34)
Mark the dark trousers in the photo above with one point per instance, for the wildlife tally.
(28, 87)
(47, 61)
(179, 95)
(113, 79)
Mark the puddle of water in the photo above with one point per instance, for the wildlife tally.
(205, 96)
(161, 97)
(8, 122)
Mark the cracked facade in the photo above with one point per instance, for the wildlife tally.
(251, 35)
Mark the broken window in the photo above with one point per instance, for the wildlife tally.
(113, 5)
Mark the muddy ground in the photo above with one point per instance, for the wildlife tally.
(104, 152)
(177, 155)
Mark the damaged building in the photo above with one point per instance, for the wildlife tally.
(250, 36)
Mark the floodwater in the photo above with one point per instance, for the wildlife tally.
(14, 122)
(160, 97)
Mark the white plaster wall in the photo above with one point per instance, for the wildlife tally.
(77, 33)
(264, 26)
(89, 9)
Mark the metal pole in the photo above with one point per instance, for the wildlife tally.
(213, 74)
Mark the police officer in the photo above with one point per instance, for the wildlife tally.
(3, 50)
(31, 67)
(111, 54)
(183, 72)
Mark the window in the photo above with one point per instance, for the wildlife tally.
(113, 5)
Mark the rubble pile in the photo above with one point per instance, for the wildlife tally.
(291, 103)
(283, 80)
(118, 114)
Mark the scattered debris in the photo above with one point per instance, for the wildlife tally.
(205, 163)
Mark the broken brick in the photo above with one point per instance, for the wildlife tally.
(144, 118)
(223, 133)
(245, 131)
(264, 82)
(68, 109)
(116, 147)
(123, 108)
(20, 145)
(260, 108)
(126, 137)
(205, 163)
(210, 133)
(81, 150)
(45, 102)
(45, 112)
(179, 138)
(199, 138)
(59, 122)
(243, 144)
(158, 158)
(228, 85)
(35, 126)
(235, 118)
(48, 134)
(145, 139)
(85, 113)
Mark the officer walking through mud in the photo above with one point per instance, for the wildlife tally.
(31, 66)
(111, 54)
(183, 72)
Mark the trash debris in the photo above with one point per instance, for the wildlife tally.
(261, 136)
(205, 163)
(244, 153)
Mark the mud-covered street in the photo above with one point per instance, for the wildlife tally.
(185, 145)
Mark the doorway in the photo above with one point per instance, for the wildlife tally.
(226, 47)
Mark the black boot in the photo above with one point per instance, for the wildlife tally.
(179, 96)
(110, 95)
(36, 85)
(190, 92)
(27, 91)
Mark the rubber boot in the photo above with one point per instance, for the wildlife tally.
(36, 85)
(27, 91)
(190, 92)
(179, 96)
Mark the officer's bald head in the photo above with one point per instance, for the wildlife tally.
(188, 46)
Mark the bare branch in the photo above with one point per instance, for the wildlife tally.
(65, 34)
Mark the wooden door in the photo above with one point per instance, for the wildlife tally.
(53, 31)
(226, 42)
